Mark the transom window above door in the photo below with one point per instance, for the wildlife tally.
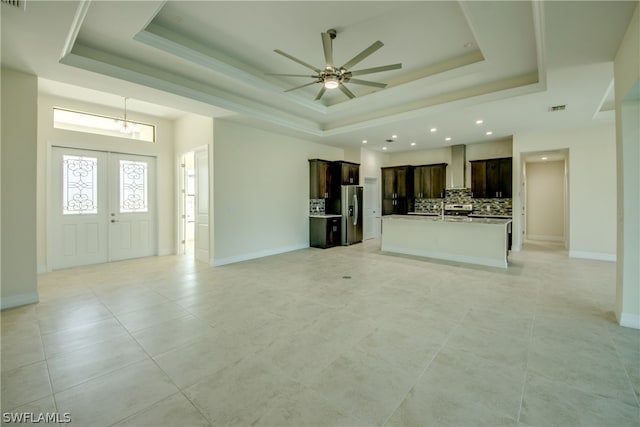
(102, 125)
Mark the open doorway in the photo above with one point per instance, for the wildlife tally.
(371, 216)
(193, 226)
(546, 198)
(188, 192)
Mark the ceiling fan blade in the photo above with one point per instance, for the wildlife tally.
(362, 55)
(299, 61)
(290, 75)
(367, 83)
(376, 69)
(322, 91)
(346, 91)
(327, 45)
(299, 87)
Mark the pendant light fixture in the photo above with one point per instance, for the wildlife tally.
(124, 126)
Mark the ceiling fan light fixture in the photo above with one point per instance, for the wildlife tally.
(331, 82)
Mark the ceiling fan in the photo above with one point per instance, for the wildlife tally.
(332, 77)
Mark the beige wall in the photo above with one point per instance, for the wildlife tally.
(545, 201)
(261, 190)
(627, 92)
(19, 170)
(592, 186)
(192, 131)
(486, 150)
(162, 149)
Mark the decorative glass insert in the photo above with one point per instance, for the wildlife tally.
(133, 186)
(79, 185)
(102, 125)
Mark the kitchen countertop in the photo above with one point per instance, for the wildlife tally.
(490, 216)
(325, 216)
(474, 220)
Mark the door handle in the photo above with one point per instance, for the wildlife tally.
(114, 220)
(355, 203)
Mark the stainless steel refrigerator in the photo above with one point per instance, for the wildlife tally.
(351, 207)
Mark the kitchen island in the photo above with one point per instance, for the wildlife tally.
(483, 241)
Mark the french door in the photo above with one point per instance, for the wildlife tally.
(102, 207)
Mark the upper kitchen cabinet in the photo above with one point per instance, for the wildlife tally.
(350, 172)
(491, 178)
(396, 188)
(320, 179)
(429, 181)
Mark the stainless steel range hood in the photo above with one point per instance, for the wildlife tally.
(457, 166)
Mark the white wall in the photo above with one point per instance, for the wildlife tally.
(545, 201)
(261, 191)
(592, 186)
(18, 217)
(162, 149)
(627, 91)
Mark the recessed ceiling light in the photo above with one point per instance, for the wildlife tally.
(394, 136)
(479, 122)
(489, 133)
(448, 138)
(413, 143)
(433, 129)
(544, 158)
(364, 141)
(384, 148)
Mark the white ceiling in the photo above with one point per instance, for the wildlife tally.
(503, 62)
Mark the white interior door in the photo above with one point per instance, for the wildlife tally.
(371, 220)
(132, 217)
(79, 208)
(102, 207)
(202, 205)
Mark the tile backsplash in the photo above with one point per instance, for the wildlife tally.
(428, 205)
(492, 207)
(316, 207)
(462, 196)
(457, 196)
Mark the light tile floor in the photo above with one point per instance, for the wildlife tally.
(345, 336)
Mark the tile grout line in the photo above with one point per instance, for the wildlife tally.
(180, 390)
(428, 365)
(526, 366)
(626, 372)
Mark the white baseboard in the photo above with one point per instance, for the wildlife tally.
(253, 255)
(18, 300)
(629, 320)
(592, 255)
(545, 238)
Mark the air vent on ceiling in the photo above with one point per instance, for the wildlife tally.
(558, 108)
(20, 4)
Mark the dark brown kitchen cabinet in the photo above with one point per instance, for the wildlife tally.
(350, 173)
(325, 232)
(428, 181)
(396, 187)
(491, 178)
(320, 179)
